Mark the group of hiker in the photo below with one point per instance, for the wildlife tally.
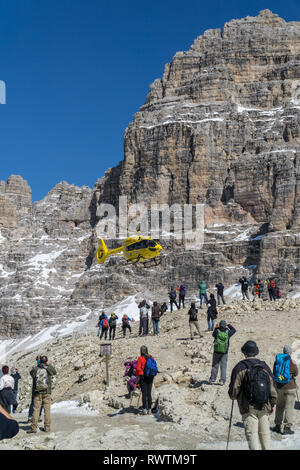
(261, 289)
(107, 326)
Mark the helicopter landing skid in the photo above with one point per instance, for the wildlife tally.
(151, 262)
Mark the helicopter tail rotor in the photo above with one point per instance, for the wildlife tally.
(102, 252)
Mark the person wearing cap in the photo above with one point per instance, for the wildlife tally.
(42, 386)
(222, 333)
(286, 397)
(255, 418)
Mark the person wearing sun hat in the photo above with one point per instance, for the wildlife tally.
(252, 374)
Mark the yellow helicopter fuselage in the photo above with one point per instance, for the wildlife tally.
(134, 249)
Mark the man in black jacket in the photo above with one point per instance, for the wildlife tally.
(244, 285)
(220, 293)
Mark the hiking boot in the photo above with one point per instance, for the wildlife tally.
(31, 431)
(210, 382)
(277, 429)
(149, 412)
(144, 411)
(287, 430)
(46, 429)
(29, 420)
(221, 382)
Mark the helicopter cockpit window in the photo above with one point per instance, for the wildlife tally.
(140, 245)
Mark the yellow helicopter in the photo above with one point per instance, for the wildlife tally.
(136, 249)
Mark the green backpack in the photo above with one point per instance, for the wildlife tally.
(221, 342)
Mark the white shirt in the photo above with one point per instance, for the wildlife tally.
(7, 381)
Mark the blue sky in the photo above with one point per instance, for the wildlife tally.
(77, 70)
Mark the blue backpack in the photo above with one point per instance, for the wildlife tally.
(150, 367)
(281, 368)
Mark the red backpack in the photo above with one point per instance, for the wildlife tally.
(105, 323)
(271, 284)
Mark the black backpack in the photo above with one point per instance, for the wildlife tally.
(193, 314)
(256, 385)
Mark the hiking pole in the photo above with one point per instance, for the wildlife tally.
(296, 389)
(139, 399)
(229, 424)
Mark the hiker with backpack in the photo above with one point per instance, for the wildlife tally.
(172, 297)
(146, 370)
(104, 325)
(182, 292)
(244, 287)
(155, 317)
(285, 370)
(258, 290)
(42, 386)
(220, 293)
(144, 318)
(271, 289)
(99, 323)
(7, 384)
(252, 385)
(112, 322)
(212, 312)
(193, 321)
(221, 334)
(202, 292)
(126, 324)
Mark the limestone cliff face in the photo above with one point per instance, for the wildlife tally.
(221, 127)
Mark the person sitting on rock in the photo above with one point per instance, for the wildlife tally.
(130, 373)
